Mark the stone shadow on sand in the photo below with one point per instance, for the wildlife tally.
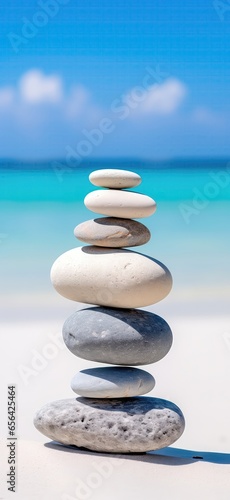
(149, 457)
(165, 456)
(206, 456)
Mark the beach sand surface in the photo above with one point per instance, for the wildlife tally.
(195, 375)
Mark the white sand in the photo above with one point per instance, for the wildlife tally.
(55, 473)
(195, 375)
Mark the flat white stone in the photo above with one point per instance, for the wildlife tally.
(112, 232)
(110, 277)
(116, 203)
(112, 425)
(112, 382)
(114, 178)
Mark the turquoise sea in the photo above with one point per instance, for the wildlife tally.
(41, 203)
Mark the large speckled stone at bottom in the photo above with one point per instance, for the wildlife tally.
(132, 425)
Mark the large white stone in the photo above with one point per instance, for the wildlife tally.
(114, 178)
(112, 425)
(112, 382)
(117, 203)
(110, 277)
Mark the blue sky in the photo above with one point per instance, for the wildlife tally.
(153, 77)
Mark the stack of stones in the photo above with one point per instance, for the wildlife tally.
(111, 415)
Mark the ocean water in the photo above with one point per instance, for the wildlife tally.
(41, 204)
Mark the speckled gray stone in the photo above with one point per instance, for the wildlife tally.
(116, 425)
(117, 336)
(112, 382)
(112, 232)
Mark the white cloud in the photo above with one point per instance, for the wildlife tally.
(36, 88)
(80, 108)
(165, 98)
(77, 101)
(205, 116)
(7, 95)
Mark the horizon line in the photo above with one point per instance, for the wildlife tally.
(115, 160)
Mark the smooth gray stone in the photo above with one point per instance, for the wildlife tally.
(112, 232)
(115, 425)
(112, 382)
(117, 336)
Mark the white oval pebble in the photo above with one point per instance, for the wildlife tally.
(112, 382)
(124, 204)
(114, 178)
(110, 277)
